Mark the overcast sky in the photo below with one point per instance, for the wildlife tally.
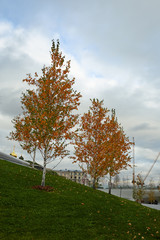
(115, 56)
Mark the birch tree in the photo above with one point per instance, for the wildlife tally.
(49, 109)
(101, 144)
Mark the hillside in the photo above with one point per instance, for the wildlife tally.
(69, 212)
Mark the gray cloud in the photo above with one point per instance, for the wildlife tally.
(10, 102)
(143, 127)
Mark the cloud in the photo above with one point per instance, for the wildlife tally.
(18, 42)
(10, 102)
(143, 127)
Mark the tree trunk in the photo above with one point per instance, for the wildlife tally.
(94, 183)
(44, 172)
(110, 184)
(34, 158)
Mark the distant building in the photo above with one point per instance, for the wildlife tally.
(75, 176)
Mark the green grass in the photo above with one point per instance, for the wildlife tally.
(71, 211)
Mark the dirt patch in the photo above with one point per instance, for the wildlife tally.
(45, 188)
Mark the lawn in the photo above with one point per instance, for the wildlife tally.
(71, 211)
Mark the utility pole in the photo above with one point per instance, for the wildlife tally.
(133, 181)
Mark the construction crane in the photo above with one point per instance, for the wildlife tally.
(140, 180)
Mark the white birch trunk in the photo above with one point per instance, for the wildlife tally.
(44, 171)
(34, 158)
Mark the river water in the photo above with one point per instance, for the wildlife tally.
(124, 193)
(127, 194)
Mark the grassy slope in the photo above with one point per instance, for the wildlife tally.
(70, 212)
